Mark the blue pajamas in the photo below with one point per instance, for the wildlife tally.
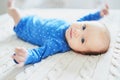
(48, 34)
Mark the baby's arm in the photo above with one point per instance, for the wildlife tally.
(95, 16)
(90, 17)
(31, 56)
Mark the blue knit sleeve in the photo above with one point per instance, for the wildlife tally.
(37, 54)
(89, 17)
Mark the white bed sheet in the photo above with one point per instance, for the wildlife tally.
(68, 66)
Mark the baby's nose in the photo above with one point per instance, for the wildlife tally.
(76, 33)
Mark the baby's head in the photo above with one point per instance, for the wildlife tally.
(89, 37)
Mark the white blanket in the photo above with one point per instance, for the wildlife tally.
(68, 66)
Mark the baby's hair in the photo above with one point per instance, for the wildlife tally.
(94, 52)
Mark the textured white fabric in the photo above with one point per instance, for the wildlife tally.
(69, 66)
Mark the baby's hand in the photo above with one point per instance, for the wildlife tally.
(20, 56)
(104, 11)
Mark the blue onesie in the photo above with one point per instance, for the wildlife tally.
(48, 34)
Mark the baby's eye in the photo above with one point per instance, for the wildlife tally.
(82, 40)
(84, 27)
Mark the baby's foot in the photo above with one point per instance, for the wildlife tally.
(10, 3)
(105, 11)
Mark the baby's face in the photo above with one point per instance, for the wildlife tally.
(86, 36)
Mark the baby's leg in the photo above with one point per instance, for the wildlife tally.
(13, 12)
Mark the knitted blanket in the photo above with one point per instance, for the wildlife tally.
(67, 66)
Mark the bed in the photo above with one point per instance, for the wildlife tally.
(67, 66)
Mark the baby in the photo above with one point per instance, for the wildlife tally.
(86, 36)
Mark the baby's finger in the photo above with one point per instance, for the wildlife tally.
(14, 59)
(18, 58)
(20, 52)
(106, 5)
